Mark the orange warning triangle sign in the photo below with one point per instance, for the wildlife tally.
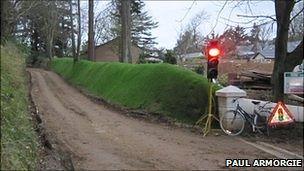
(280, 115)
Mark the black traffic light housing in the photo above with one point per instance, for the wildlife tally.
(213, 53)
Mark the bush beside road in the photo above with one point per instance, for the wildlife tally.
(156, 88)
(19, 141)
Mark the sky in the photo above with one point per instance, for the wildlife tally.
(172, 16)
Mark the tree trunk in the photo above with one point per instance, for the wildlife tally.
(49, 49)
(283, 10)
(51, 23)
(79, 31)
(126, 31)
(91, 45)
(72, 31)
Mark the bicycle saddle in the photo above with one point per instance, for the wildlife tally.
(255, 102)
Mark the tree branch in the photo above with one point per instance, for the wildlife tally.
(298, 1)
(295, 57)
(218, 15)
(297, 14)
(239, 22)
(257, 16)
(187, 11)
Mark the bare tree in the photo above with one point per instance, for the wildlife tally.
(72, 31)
(284, 61)
(91, 45)
(296, 28)
(264, 36)
(194, 24)
(126, 31)
(104, 24)
(79, 30)
(191, 39)
(50, 25)
(11, 12)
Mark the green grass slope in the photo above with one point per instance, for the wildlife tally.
(158, 88)
(19, 142)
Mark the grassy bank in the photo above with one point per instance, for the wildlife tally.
(19, 142)
(159, 88)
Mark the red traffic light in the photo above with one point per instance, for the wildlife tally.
(214, 52)
(213, 48)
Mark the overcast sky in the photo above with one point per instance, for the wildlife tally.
(175, 15)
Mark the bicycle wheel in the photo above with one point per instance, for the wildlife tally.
(232, 123)
(261, 122)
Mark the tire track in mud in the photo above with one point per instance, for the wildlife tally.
(100, 138)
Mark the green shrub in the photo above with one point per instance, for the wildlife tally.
(19, 142)
(142, 58)
(223, 79)
(199, 69)
(160, 88)
(170, 57)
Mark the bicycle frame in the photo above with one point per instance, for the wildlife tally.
(255, 119)
(249, 117)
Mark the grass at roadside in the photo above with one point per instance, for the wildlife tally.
(19, 141)
(157, 88)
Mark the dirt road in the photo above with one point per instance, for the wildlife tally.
(101, 138)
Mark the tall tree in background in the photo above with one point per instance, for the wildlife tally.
(44, 25)
(91, 45)
(254, 37)
(233, 37)
(185, 43)
(141, 26)
(79, 29)
(7, 22)
(191, 39)
(125, 48)
(287, 15)
(11, 14)
(72, 32)
(284, 61)
(109, 24)
(259, 36)
(50, 22)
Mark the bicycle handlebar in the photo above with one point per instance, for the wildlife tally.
(236, 100)
(266, 103)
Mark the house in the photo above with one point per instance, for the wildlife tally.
(154, 60)
(109, 52)
(263, 55)
(260, 57)
(190, 56)
(245, 52)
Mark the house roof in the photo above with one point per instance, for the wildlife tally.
(111, 41)
(257, 55)
(245, 51)
(192, 55)
(115, 40)
(268, 52)
(154, 59)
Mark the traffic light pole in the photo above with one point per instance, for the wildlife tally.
(212, 52)
(209, 116)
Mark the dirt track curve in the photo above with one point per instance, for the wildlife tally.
(101, 138)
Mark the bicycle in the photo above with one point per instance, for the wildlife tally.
(233, 121)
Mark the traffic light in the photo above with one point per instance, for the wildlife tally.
(213, 53)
